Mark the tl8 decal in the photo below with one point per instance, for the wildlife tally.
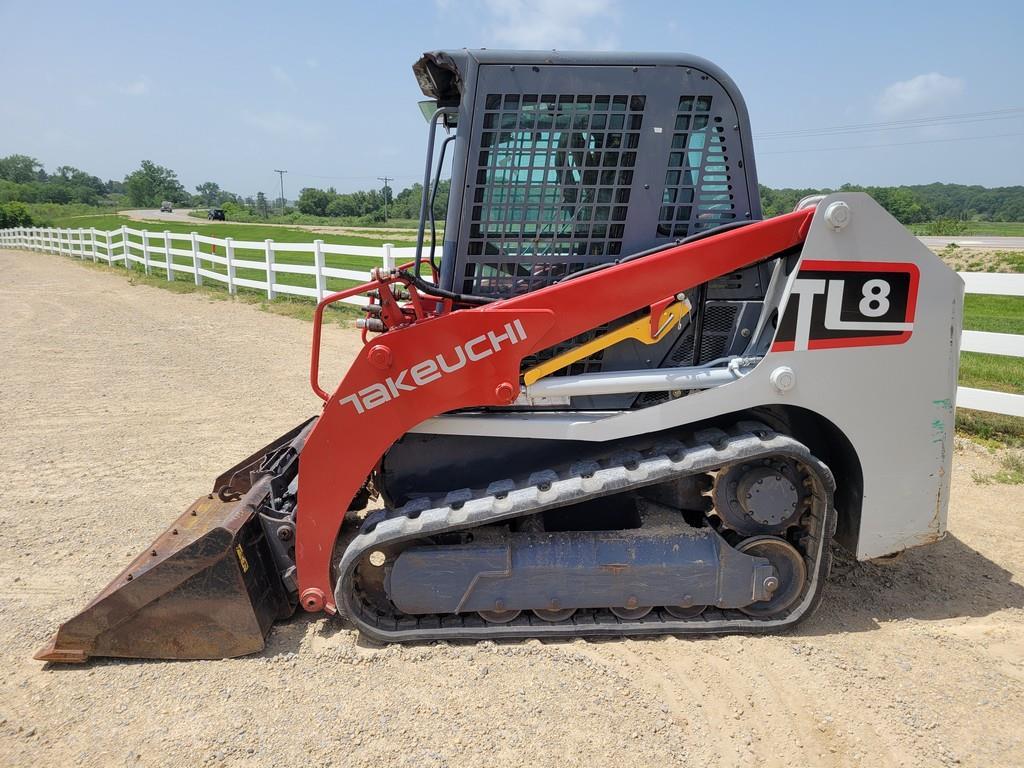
(849, 304)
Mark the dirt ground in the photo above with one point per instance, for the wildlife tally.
(975, 259)
(120, 403)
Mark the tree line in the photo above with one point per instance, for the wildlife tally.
(23, 179)
(371, 205)
(918, 203)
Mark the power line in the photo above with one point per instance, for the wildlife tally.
(972, 139)
(350, 178)
(919, 122)
(890, 128)
(908, 121)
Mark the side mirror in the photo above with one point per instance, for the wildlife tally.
(427, 107)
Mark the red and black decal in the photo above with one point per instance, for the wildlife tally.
(849, 304)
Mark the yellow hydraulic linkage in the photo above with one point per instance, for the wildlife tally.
(644, 329)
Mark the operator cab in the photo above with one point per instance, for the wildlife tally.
(562, 161)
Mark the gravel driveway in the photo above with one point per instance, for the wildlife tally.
(120, 403)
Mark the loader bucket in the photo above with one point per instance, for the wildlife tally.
(207, 588)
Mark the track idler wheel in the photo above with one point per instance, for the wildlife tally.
(790, 570)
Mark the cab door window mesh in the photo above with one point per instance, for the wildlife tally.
(553, 180)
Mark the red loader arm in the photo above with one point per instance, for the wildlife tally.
(471, 358)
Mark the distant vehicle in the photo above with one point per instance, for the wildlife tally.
(215, 214)
(166, 207)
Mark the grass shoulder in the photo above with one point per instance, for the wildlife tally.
(955, 228)
(362, 222)
(1010, 472)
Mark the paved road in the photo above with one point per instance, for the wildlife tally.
(977, 241)
(179, 214)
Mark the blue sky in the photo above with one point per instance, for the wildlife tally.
(228, 92)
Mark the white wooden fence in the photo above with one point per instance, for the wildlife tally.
(995, 284)
(119, 247)
(220, 260)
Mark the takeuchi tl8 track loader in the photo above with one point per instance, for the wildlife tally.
(611, 400)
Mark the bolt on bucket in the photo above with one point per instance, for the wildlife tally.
(209, 587)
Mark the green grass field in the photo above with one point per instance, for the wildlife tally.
(994, 228)
(356, 222)
(996, 314)
(220, 229)
(978, 228)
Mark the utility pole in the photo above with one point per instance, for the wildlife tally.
(281, 174)
(385, 179)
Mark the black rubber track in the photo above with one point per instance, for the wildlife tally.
(624, 470)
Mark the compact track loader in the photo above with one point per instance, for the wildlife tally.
(614, 400)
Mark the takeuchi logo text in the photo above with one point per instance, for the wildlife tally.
(434, 368)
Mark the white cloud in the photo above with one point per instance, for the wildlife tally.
(281, 77)
(544, 24)
(921, 94)
(284, 125)
(138, 87)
